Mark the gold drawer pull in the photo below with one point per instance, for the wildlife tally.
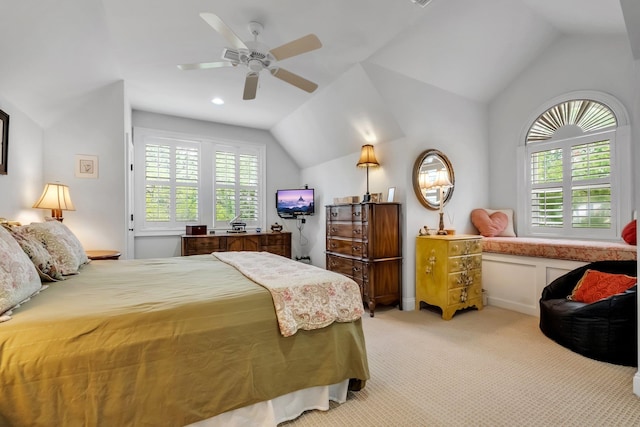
(356, 269)
(357, 231)
(333, 230)
(356, 248)
(334, 245)
(356, 213)
(334, 214)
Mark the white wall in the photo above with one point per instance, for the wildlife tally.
(571, 64)
(22, 185)
(282, 172)
(430, 118)
(97, 128)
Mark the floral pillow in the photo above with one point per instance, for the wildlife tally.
(64, 248)
(45, 264)
(18, 277)
(69, 238)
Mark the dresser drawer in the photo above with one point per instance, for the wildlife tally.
(348, 230)
(465, 262)
(347, 247)
(473, 292)
(203, 245)
(340, 265)
(274, 239)
(465, 278)
(465, 247)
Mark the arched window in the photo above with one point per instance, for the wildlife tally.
(572, 173)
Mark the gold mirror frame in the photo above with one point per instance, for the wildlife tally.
(432, 160)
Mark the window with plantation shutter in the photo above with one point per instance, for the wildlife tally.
(570, 164)
(237, 186)
(170, 176)
(183, 180)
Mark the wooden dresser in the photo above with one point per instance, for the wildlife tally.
(364, 242)
(449, 272)
(276, 243)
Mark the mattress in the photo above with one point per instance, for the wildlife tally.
(155, 342)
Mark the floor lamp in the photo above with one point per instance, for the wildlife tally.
(367, 160)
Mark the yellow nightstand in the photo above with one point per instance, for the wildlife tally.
(449, 272)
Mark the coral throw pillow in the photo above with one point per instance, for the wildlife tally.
(489, 225)
(629, 233)
(596, 285)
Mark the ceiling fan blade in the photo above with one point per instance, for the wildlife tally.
(294, 79)
(204, 65)
(250, 86)
(303, 44)
(218, 24)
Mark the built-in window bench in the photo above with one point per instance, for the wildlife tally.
(516, 269)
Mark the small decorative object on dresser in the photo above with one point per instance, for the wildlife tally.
(449, 272)
(276, 228)
(364, 243)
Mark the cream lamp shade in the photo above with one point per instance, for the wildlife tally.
(441, 180)
(367, 160)
(55, 197)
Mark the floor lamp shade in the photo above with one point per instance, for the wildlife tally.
(367, 160)
(55, 197)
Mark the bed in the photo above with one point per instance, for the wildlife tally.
(169, 342)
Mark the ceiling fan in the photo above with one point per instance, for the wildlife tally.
(256, 56)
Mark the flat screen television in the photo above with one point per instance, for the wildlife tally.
(294, 203)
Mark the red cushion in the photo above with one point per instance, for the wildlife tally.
(629, 233)
(489, 225)
(596, 285)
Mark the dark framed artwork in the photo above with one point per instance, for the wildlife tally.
(4, 142)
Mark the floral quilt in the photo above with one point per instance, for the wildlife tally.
(304, 296)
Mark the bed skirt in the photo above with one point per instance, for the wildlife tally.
(281, 409)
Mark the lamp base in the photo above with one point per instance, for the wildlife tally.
(441, 230)
(366, 198)
(57, 214)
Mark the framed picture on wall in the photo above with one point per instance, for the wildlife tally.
(86, 166)
(4, 142)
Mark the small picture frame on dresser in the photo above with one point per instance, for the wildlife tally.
(391, 194)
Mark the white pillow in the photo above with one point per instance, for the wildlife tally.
(509, 231)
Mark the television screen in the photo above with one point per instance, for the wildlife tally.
(293, 203)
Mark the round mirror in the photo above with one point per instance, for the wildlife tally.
(433, 179)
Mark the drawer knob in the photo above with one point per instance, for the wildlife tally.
(356, 248)
(356, 213)
(334, 214)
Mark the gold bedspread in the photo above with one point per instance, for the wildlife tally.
(159, 342)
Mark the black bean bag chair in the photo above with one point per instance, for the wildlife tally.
(605, 330)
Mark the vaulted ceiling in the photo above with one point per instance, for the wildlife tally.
(55, 52)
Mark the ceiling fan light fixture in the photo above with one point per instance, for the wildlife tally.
(217, 101)
(421, 3)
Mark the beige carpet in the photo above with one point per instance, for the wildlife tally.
(482, 368)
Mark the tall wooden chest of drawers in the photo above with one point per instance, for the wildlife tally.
(364, 242)
(449, 272)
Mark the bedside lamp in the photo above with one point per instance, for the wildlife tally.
(367, 160)
(441, 182)
(55, 197)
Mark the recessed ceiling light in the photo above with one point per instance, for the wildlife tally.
(217, 101)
